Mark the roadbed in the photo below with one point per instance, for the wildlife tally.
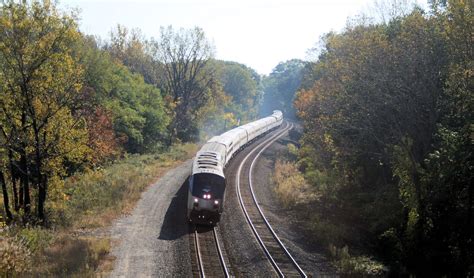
(152, 241)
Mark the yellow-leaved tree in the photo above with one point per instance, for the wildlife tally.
(39, 92)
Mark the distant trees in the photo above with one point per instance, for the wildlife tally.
(280, 87)
(388, 138)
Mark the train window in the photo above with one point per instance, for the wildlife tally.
(208, 183)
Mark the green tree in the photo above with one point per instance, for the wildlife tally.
(243, 85)
(138, 111)
(138, 114)
(281, 86)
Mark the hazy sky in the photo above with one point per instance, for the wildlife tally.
(258, 33)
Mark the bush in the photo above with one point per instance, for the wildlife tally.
(355, 265)
(291, 186)
(15, 256)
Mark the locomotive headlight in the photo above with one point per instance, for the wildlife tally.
(216, 202)
(196, 200)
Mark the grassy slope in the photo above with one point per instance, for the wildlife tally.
(76, 245)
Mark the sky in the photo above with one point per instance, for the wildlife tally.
(257, 33)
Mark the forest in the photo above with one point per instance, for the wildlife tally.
(380, 173)
(88, 123)
(387, 144)
(70, 101)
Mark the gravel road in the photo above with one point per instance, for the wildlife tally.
(153, 241)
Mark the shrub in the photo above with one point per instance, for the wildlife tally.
(355, 265)
(15, 256)
(291, 186)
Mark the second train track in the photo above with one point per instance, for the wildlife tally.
(280, 258)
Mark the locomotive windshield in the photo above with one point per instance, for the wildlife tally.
(208, 184)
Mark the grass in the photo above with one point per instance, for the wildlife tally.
(88, 202)
(304, 196)
(95, 198)
(291, 186)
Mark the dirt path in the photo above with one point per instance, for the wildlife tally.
(152, 241)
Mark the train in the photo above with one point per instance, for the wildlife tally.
(207, 183)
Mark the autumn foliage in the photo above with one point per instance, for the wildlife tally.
(69, 102)
(102, 138)
(388, 139)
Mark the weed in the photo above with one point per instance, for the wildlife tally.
(15, 258)
(291, 186)
(355, 265)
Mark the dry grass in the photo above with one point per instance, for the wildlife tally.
(93, 199)
(15, 256)
(291, 186)
(96, 198)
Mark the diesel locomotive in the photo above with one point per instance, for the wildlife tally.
(207, 182)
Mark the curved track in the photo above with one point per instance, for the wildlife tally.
(280, 258)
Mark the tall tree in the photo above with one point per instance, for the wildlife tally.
(242, 84)
(134, 51)
(42, 81)
(184, 55)
(388, 121)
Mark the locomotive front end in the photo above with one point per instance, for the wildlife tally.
(206, 196)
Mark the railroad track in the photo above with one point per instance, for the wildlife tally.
(280, 258)
(210, 261)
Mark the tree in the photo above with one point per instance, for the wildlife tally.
(242, 84)
(184, 55)
(134, 51)
(280, 87)
(139, 114)
(132, 111)
(388, 122)
(41, 81)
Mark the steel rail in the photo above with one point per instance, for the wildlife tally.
(221, 257)
(201, 267)
(198, 252)
(261, 212)
(268, 141)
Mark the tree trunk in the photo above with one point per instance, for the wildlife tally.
(5, 197)
(13, 174)
(25, 180)
(42, 189)
(42, 186)
(25, 183)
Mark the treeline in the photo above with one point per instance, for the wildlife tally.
(69, 101)
(280, 87)
(388, 140)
